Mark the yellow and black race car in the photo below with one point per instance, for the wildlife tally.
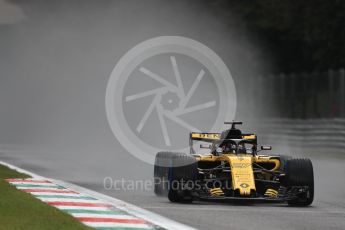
(233, 170)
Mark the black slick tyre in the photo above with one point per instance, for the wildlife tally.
(183, 171)
(299, 173)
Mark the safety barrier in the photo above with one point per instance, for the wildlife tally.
(312, 134)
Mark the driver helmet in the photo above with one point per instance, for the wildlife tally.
(242, 149)
(229, 147)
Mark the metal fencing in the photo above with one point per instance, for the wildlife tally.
(304, 95)
(316, 135)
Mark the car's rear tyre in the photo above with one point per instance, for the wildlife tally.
(183, 173)
(299, 172)
(160, 173)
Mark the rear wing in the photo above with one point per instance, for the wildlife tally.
(249, 137)
(207, 137)
(211, 137)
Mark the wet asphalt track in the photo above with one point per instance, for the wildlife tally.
(327, 211)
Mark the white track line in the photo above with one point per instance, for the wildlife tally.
(70, 200)
(45, 188)
(118, 225)
(33, 175)
(30, 183)
(119, 204)
(64, 207)
(54, 193)
(127, 217)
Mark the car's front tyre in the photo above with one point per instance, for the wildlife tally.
(182, 173)
(299, 173)
(160, 173)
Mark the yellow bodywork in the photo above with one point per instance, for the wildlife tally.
(216, 192)
(242, 174)
(241, 166)
(206, 136)
(271, 193)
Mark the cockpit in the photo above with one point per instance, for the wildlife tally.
(233, 146)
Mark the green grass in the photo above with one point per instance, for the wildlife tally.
(20, 210)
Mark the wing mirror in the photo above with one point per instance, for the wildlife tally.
(266, 147)
(205, 146)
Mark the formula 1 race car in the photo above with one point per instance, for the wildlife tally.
(233, 170)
